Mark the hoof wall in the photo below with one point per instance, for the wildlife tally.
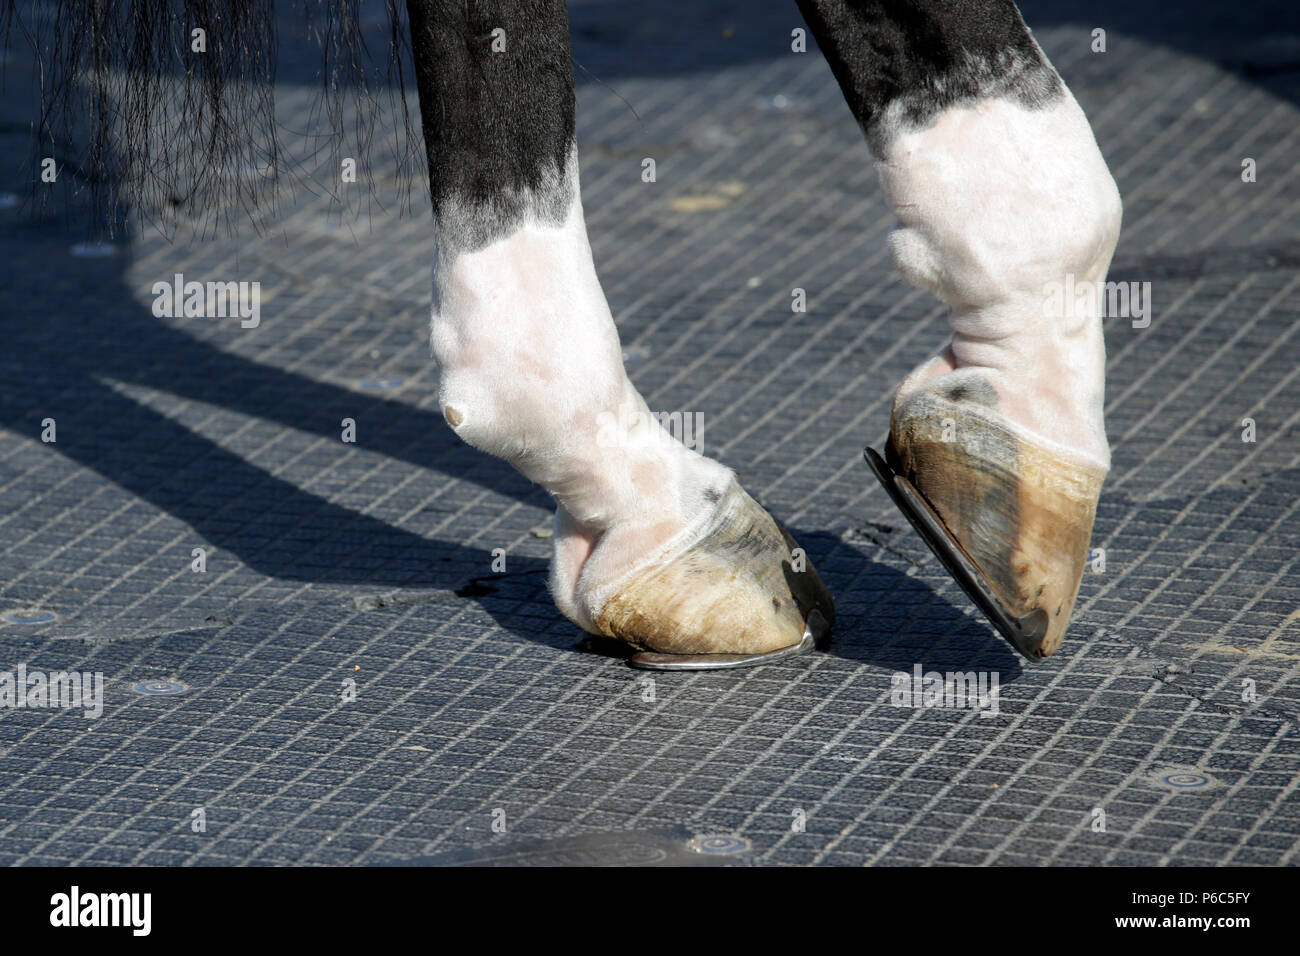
(815, 635)
(1025, 633)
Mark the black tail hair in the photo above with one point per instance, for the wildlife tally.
(144, 122)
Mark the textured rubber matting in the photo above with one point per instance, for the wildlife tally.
(350, 681)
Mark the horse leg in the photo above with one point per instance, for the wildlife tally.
(1007, 212)
(654, 544)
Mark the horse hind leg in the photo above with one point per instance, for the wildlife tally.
(655, 544)
(1007, 212)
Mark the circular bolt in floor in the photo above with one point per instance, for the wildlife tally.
(30, 615)
(1183, 779)
(719, 844)
(156, 688)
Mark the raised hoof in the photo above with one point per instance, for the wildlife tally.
(733, 597)
(1009, 519)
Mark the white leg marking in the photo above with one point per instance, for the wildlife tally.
(996, 203)
(532, 372)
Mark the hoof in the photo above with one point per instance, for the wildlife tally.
(1019, 513)
(737, 591)
(816, 634)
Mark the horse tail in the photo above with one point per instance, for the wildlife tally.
(155, 106)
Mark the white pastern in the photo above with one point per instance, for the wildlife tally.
(532, 372)
(997, 204)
